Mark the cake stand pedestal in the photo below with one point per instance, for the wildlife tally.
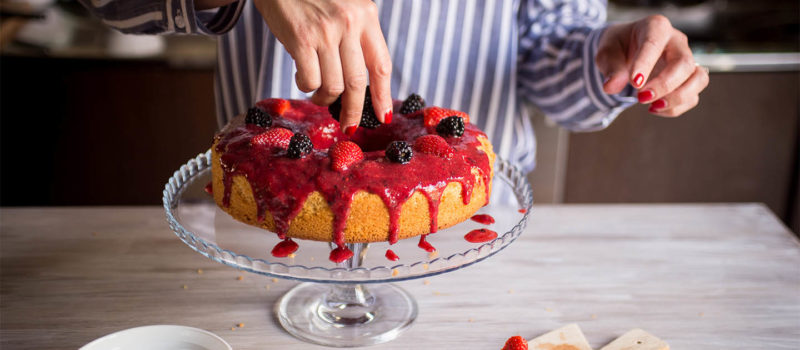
(340, 305)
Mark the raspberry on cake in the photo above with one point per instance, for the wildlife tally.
(374, 186)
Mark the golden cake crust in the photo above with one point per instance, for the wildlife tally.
(368, 219)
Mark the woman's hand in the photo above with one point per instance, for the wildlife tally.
(334, 44)
(655, 58)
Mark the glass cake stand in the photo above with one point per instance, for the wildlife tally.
(347, 304)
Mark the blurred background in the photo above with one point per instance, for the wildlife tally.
(89, 116)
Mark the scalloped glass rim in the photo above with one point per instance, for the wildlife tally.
(201, 164)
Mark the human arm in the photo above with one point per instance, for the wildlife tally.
(167, 16)
(338, 47)
(655, 58)
(562, 73)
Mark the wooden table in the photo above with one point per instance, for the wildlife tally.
(698, 276)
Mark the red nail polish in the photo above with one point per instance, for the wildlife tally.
(659, 104)
(387, 118)
(645, 96)
(638, 80)
(351, 130)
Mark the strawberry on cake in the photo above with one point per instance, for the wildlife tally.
(285, 166)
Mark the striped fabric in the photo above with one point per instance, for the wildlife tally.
(480, 56)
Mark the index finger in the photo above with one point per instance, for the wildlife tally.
(355, 82)
(652, 37)
(379, 64)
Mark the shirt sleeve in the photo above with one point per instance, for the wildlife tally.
(557, 72)
(164, 16)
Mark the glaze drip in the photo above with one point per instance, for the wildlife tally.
(423, 243)
(391, 255)
(485, 219)
(284, 248)
(480, 235)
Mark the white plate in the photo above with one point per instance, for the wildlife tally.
(160, 337)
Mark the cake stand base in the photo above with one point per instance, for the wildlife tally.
(346, 315)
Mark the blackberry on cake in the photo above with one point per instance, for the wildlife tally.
(433, 115)
(368, 118)
(299, 146)
(451, 126)
(412, 104)
(258, 117)
(399, 152)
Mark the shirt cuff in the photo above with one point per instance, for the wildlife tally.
(184, 19)
(605, 102)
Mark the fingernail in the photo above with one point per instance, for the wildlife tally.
(387, 118)
(659, 104)
(351, 130)
(645, 95)
(638, 80)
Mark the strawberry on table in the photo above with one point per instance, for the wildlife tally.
(344, 154)
(275, 137)
(516, 343)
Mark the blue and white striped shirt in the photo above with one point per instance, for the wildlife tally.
(480, 56)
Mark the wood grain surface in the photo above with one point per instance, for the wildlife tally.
(721, 276)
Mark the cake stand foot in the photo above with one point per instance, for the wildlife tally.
(346, 315)
(317, 313)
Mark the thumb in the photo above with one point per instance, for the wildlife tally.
(611, 64)
(611, 59)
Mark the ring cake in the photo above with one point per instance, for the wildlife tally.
(285, 166)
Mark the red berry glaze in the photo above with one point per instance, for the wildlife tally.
(391, 255)
(274, 106)
(480, 236)
(433, 144)
(344, 154)
(209, 188)
(276, 179)
(425, 245)
(340, 254)
(275, 137)
(324, 134)
(433, 115)
(516, 343)
(284, 248)
(485, 219)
